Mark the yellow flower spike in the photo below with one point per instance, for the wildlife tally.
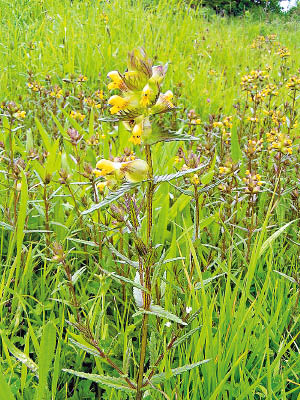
(118, 103)
(135, 171)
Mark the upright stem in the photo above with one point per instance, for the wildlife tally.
(47, 225)
(197, 213)
(146, 277)
(149, 193)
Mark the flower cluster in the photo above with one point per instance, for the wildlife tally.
(294, 83)
(252, 182)
(141, 96)
(254, 80)
(254, 146)
(77, 115)
(262, 42)
(283, 52)
(279, 142)
(226, 169)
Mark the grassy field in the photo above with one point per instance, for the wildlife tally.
(175, 279)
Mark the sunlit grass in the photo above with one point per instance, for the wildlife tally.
(247, 320)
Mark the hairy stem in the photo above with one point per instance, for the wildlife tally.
(146, 277)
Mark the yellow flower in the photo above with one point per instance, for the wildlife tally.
(168, 96)
(118, 103)
(106, 167)
(117, 81)
(136, 134)
(77, 115)
(195, 179)
(20, 114)
(218, 124)
(101, 186)
(135, 171)
(145, 100)
(100, 94)
(82, 78)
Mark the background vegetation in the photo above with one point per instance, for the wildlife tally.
(245, 315)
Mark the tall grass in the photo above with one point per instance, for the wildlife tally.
(245, 318)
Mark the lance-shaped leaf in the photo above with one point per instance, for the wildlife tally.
(112, 196)
(122, 259)
(19, 355)
(170, 177)
(160, 134)
(162, 313)
(112, 382)
(185, 337)
(124, 279)
(159, 378)
(87, 349)
(207, 281)
(289, 278)
(5, 393)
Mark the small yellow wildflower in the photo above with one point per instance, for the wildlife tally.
(101, 186)
(195, 179)
(117, 81)
(20, 114)
(99, 94)
(145, 100)
(136, 134)
(196, 121)
(118, 103)
(106, 167)
(77, 115)
(82, 78)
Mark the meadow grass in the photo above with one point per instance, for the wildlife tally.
(245, 316)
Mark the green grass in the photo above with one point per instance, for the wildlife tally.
(245, 319)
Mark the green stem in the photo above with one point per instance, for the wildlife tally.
(149, 194)
(196, 212)
(146, 277)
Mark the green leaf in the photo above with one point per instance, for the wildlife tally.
(85, 348)
(45, 137)
(162, 313)
(112, 196)
(19, 355)
(46, 355)
(167, 178)
(5, 392)
(185, 337)
(235, 147)
(112, 382)
(159, 378)
(289, 278)
(207, 178)
(207, 281)
(275, 235)
(124, 279)
(22, 214)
